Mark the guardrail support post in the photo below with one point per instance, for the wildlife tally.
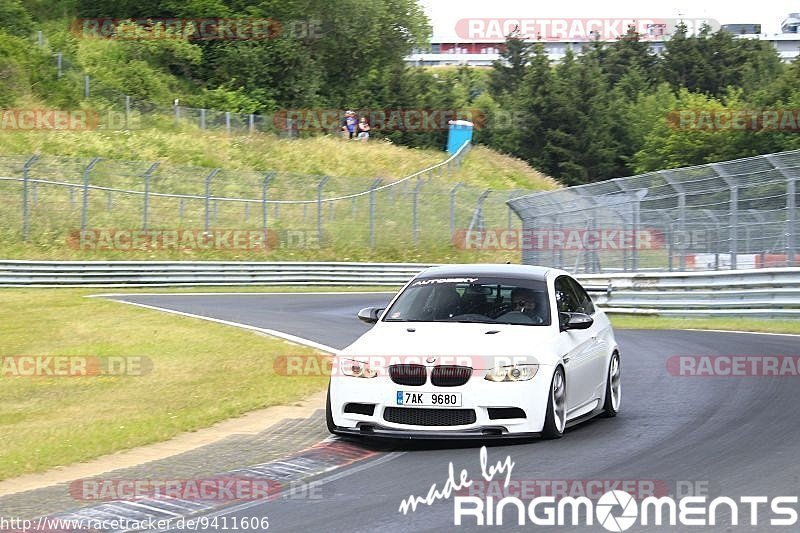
(453, 192)
(320, 186)
(85, 208)
(202, 118)
(372, 211)
(264, 184)
(25, 210)
(208, 196)
(146, 207)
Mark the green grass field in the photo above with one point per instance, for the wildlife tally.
(201, 373)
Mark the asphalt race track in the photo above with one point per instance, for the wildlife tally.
(737, 436)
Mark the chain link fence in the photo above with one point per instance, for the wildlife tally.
(49, 200)
(732, 215)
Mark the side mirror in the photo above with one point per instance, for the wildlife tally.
(574, 321)
(370, 315)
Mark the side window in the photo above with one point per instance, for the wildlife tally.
(585, 304)
(565, 297)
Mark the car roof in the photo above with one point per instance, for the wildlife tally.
(538, 273)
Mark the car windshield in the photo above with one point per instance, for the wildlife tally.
(481, 300)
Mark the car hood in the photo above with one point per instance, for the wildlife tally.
(484, 343)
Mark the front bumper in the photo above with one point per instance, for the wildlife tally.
(478, 395)
(489, 433)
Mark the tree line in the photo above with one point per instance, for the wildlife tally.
(609, 109)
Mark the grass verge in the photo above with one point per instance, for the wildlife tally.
(723, 323)
(201, 373)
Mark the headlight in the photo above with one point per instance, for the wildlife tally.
(512, 373)
(356, 369)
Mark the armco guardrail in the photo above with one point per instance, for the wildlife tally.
(204, 273)
(772, 292)
(766, 292)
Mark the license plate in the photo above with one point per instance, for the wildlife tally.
(429, 399)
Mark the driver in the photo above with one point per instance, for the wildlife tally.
(524, 301)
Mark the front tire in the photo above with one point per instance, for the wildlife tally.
(556, 419)
(329, 413)
(613, 388)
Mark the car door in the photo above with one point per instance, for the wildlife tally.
(576, 349)
(598, 350)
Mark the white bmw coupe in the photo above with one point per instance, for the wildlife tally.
(484, 351)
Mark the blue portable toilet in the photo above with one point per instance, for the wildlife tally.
(460, 134)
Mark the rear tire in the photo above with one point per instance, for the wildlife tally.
(613, 388)
(556, 419)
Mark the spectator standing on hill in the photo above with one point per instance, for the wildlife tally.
(363, 129)
(349, 123)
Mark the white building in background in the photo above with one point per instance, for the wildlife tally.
(478, 42)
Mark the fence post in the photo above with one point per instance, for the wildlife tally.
(146, 207)
(208, 196)
(177, 113)
(791, 222)
(85, 208)
(203, 118)
(320, 185)
(372, 211)
(414, 215)
(86, 86)
(791, 208)
(40, 38)
(127, 110)
(25, 211)
(733, 235)
(264, 184)
(110, 203)
(251, 123)
(453, 192)
(228, 122)
(511, 196)
(477, 217)
(681, 219)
